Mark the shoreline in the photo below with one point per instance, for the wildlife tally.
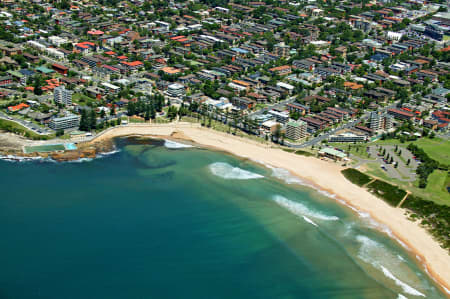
(316, 173)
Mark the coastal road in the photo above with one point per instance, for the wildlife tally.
(27, 124)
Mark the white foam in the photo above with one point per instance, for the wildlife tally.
(309, 221)
(285, 175)
(81, 160)
(373, 253)
(108, 153)
(406, 288)
(227, 171)
(12, 158)
(446, 290)
(302, 210)
(175, 145)
(400, 296)
(381, 227)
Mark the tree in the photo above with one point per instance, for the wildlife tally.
(84, 123)
(92, 120)
(407, 162)
(152, 112)
(60, 132)
(277, 133)
(147, 113)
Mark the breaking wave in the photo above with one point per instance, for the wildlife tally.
(309, 221)
(227, 171)
(406, 288)
(285, 175)
(302, 210)
(373, 252)
(12, 158)
(175, 145)
(105, 154)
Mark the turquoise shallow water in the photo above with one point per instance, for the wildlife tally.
(159, 220)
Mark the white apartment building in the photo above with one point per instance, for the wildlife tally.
(66, 122)
(175, 90)
(63, 96)
(347, 137)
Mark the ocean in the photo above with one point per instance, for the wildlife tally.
(159, 219)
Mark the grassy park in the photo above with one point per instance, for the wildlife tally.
(16, 128)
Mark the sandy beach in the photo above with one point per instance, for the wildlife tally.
(322, 174)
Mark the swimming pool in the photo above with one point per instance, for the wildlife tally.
(70, 146)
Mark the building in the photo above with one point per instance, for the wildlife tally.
(314, 124)
(63, 70)
(347, 137)
(281, 49)
(401, 114)
(380, 122)
(110, 88)
(6, 81)
(332, 153)
(269, 126)
(296, 129)
(375, 121)
(281, 70)
(176, 90)
(295, 107)
(66, 122)
(132, 66)
(281, 117)
(17, 108)
(63, 96)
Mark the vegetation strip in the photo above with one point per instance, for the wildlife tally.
(434, 217)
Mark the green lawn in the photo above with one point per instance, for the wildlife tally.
(81, 98)
(356, 177)
(437, 184)
(389, 193)
(438, 149)
(358, 149)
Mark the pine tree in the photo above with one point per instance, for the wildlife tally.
(152, 112)
(147, 113)
(84, 121)
(92, 120)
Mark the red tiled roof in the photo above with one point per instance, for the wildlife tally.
(18, 107)
(133, 63)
